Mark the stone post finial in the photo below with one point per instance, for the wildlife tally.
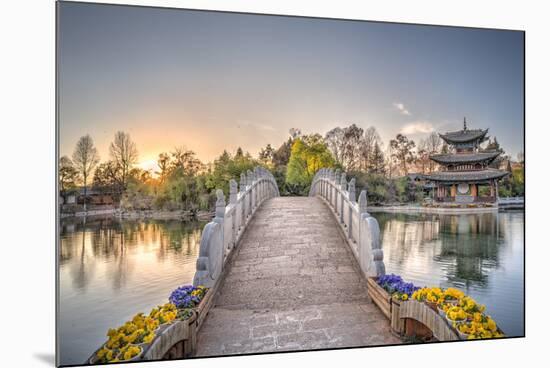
(232, 191)
(343, 181)
(220, 203)
(351, 189)
(243, 182)
(363, 201)
(337, 176)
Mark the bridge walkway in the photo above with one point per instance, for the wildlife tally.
(293, 284)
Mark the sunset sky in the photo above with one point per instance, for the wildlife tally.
(214, 81)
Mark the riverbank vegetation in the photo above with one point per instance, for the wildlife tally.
(391, 173)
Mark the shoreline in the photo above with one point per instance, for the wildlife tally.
(143, 214)
(439, 210)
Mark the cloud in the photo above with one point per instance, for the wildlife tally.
(399, 106)
(417, 127)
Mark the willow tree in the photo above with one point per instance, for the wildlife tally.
(308, 155)
(85, 159)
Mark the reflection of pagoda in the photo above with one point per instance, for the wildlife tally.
(464, 171)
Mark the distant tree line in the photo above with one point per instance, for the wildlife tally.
(182, 181)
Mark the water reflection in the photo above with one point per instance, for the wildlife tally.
(111, 269)
(479, 253)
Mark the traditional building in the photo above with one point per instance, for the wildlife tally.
(464, 171)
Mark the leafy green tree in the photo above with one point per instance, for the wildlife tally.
(308, 155)
(266, 155)
(163, 163)
(107, 178)
(68, 175)
(226, 168)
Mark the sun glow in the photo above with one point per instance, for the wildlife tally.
(149, 165)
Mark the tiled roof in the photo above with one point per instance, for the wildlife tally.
(464, 157)
(462, 136)
(460, 176)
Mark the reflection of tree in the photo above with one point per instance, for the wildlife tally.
(465, 247)
(406, 235)
(119, 244)
(469, 248)
(123, 264)
(82, 270)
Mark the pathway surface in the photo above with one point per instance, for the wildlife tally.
(293, 285)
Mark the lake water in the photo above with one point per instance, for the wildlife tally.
(481, 254)
(110, 270)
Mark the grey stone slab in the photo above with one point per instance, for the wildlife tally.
(293, 284)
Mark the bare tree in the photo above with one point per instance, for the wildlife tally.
(521, 157)
(403, 152)
(335, 142)
(346, 145)
(185, 160)
(353, 140)
(370, 139)
(422, 156)
(433, 142)
(124, 154)
(85, 159)
(295, 133)
(432, 146)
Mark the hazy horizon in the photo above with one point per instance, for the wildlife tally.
(213, 81)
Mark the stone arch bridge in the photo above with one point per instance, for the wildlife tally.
(289, 273)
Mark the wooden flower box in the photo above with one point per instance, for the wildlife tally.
(422, 321)
(204, 306)
(177, 341)
(379, 296)
(397, 323)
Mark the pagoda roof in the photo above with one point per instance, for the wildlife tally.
(464, 136)
(464, 176)
(465, 157)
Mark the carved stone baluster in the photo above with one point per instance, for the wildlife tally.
(233, 202)
(351, 193)
(343, 187)
(337, 174)
(363, 202)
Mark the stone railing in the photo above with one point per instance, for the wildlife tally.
(511, 200)
(222, 234)
(360, 228)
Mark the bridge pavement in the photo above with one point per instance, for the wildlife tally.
(293, 285)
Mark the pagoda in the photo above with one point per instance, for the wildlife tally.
(465, 169)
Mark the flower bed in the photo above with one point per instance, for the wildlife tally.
(461, 312)
(129, 341)
(197, 298)
(132, 340)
